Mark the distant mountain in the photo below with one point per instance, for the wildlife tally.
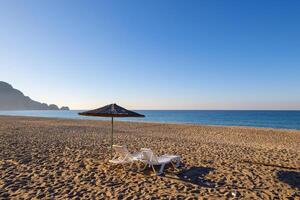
(13, 99)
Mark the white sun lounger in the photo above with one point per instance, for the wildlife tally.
(123, 156)
(150, 159)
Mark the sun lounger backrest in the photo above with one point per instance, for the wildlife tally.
(121, 151)
(148, 155)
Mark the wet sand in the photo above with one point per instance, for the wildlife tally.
(63, 159)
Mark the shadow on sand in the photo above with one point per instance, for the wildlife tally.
(196, 175)
(290, 177)
(269, 165)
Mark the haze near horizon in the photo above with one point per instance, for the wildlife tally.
(153, 54)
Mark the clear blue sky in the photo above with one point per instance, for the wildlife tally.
(153, 54)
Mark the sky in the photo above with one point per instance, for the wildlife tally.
(153, 54)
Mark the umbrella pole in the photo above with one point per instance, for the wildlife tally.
(112, 136)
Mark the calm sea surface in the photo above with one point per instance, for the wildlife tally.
(272, 119)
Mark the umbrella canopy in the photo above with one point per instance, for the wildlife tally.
(111, 110)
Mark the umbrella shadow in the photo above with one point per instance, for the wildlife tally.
(196, 175)
(292, 178)
(269, 165)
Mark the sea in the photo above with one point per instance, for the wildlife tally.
(257, 118)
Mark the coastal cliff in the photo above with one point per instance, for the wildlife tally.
(13, 99)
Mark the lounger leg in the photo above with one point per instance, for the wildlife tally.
(130, 167)
(153, 169)
(173, 165)
(161, 170)
(145, 166)
(178, 162)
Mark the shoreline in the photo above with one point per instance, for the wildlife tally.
(154, 122)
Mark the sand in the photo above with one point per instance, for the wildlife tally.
(62, 159)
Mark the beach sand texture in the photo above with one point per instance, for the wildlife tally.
(60, 159)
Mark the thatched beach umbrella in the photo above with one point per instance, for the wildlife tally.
(112, 110)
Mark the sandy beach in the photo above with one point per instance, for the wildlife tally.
(62, 159)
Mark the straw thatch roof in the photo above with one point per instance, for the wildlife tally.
(112, 110)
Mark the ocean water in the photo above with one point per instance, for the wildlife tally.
(271, 119)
